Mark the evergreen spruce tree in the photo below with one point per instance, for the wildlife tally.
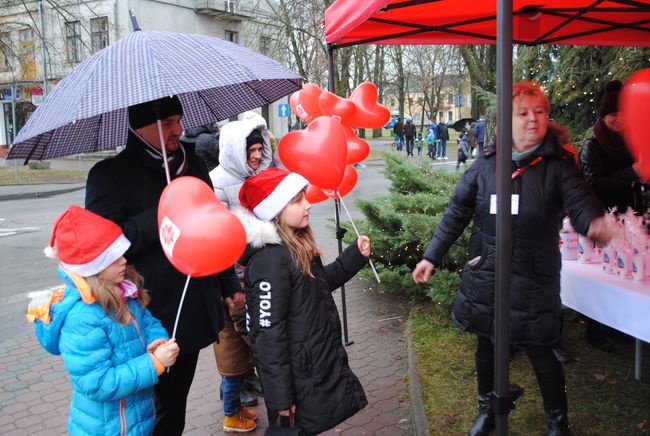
(401, 225)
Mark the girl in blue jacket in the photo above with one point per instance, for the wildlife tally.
(112, 347)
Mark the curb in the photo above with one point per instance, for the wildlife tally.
(39, 194)
(420, 424)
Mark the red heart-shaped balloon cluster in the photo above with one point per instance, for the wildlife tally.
(369, 113)
(199, 235)
(332, 104)
(304, 103)
(317, 152)
(321, 152)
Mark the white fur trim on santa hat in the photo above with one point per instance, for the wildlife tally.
(288, 188)
(103, 261)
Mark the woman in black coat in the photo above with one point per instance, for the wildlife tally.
(545, 182)
(293, 321)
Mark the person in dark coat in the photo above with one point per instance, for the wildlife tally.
(443, 137)
(606, 161)
(206, 143)
(294, 324)
(126, 189)
(409, 136)
(480, 134)
(398, 129)
(545, 181)
(608, 166)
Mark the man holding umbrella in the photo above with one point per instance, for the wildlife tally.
(126, 189)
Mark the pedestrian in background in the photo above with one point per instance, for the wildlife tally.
(398, 129)
(443, 137)
(126, 189)
(431, 141)
(294, 324)
(112, 347)
(463, 149)
(409, 136)
(480, 134)
(206, 143)
(545, 182)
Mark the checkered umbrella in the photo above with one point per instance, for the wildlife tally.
(214, 79)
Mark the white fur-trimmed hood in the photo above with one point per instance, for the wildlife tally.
(258, 233)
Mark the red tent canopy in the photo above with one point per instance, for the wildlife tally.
(410, 22)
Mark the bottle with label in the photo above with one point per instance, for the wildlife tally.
(608, 253)
(585, 249)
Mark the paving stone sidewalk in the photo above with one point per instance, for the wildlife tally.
(35, 391)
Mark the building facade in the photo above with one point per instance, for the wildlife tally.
(40, 41)
(455, 103)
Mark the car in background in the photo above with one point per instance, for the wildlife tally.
(391, 123)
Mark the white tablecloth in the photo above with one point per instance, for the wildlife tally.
(619, 303)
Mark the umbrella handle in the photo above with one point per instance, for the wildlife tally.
(164, 151)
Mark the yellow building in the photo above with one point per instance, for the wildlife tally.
(455, 102)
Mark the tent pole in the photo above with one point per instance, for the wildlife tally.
(503, 397)
(340, 231)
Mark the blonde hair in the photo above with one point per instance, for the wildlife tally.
(532, 89)
(108, 297)
(300, 242)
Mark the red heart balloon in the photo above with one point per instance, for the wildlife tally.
(305, 104)
(331, 104)
(293, 102)
(635, 105)
(314, 194)
(199, 235)
(317, 152)
(358, 149)
(369, 114)
(348, 183)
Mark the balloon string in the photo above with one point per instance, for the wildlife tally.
(372, 265)
(164, 151)
(180, 306)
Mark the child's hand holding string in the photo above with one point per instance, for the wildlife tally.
(167, 352)
(153, 345)
(363, 242)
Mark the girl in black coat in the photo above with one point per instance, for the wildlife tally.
(293, 321)
(545, 182)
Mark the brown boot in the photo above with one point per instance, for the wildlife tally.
(238, 423)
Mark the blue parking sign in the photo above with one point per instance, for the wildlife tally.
(284, 110)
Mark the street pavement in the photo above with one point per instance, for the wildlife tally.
(35, 390)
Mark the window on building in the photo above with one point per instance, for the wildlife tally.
(6, 50)
(393, 103)
(27, 54)
(232, 36)
(73, 41)
(230, 6)
(450, 116)
(99, 33)
(450, 99)
(441, 116)
(265, 45)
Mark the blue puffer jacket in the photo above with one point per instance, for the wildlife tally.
(111, 372)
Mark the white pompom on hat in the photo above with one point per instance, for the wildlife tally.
(86, 243)
(267, 193)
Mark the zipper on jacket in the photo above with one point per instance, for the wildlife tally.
(137, 329)
(123, 427)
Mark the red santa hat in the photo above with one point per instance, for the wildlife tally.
(85, 243)
(267, 193)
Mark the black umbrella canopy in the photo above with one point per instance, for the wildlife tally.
(463, 124)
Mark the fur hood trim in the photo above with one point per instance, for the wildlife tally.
(258, 233)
